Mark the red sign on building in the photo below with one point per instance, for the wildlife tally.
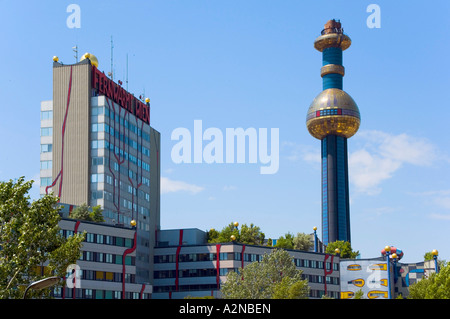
(105, 86)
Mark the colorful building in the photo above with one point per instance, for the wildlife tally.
(98, 149)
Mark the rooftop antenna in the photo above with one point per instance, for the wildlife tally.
(75, 49)
(111, 72)
(126, 80)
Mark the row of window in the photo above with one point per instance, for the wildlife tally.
(107, 258)
(103, 127)
(102, 239)
(100, 144)
(208, 287)
(185, 273)
(82, 293)
(303, 263)
(101, 110)
(102, 178)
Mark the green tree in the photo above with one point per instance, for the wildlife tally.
(251, 235)
(437, 286)
(285, 242)
(275, 276)
(302, 242)
(344, 247)
(29, 237)
(84, 212)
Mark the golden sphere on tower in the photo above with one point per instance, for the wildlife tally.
(394, 255)
(133, 223)
(387, 249)
(55, 58)
(314, 228)
(91, 57)
(147, 100)
(337, 250)
(434, 252)
(233, 238)
(333, 112)
(236, 224)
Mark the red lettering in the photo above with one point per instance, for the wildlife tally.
(119, 95)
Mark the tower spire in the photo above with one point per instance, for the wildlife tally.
(333, 117)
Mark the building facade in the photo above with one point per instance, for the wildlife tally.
(186, 265)
(98, 148)
(108, 265)
(333, 117)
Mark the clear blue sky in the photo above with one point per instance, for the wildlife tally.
(252, 64)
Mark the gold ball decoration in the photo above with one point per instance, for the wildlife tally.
(55, 58)
(434, 252)
(394, 256)
(337, 250)
(387, 249)
(91, 57)
(147, 100)
(233, 238)
(236, 224)
(315, 228)
(333, 112)
(133, 223)
(337, 40)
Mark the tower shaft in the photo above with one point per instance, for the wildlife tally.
(333, 117)
(335, 194)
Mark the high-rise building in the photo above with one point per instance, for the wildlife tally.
(333, 117)
(98, 148)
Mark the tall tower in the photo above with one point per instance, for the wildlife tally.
(333, 117)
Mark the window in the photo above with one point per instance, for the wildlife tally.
(100, 127)
(46, 115)
(99, 161)
(45, 148)
(46, 131)
(97, 195)
(99, 144)
(97, 178)
(46, 181)
(46, 164)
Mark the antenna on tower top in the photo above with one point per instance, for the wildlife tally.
(75, 49)
(112, 59)
(126, 80)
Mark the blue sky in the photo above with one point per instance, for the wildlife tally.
(252, 64)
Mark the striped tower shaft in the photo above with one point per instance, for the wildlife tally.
(335, 189)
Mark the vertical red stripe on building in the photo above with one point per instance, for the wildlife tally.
(242, 257)
(125, 253)
(218, 265)
(325, 271)
(180, 243)
(142, 291)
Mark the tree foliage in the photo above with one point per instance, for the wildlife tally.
(437, 286)
(29, 238)
(345, 249)
(275, 276)
(301, 241)
(84, 212)
(251, 235)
